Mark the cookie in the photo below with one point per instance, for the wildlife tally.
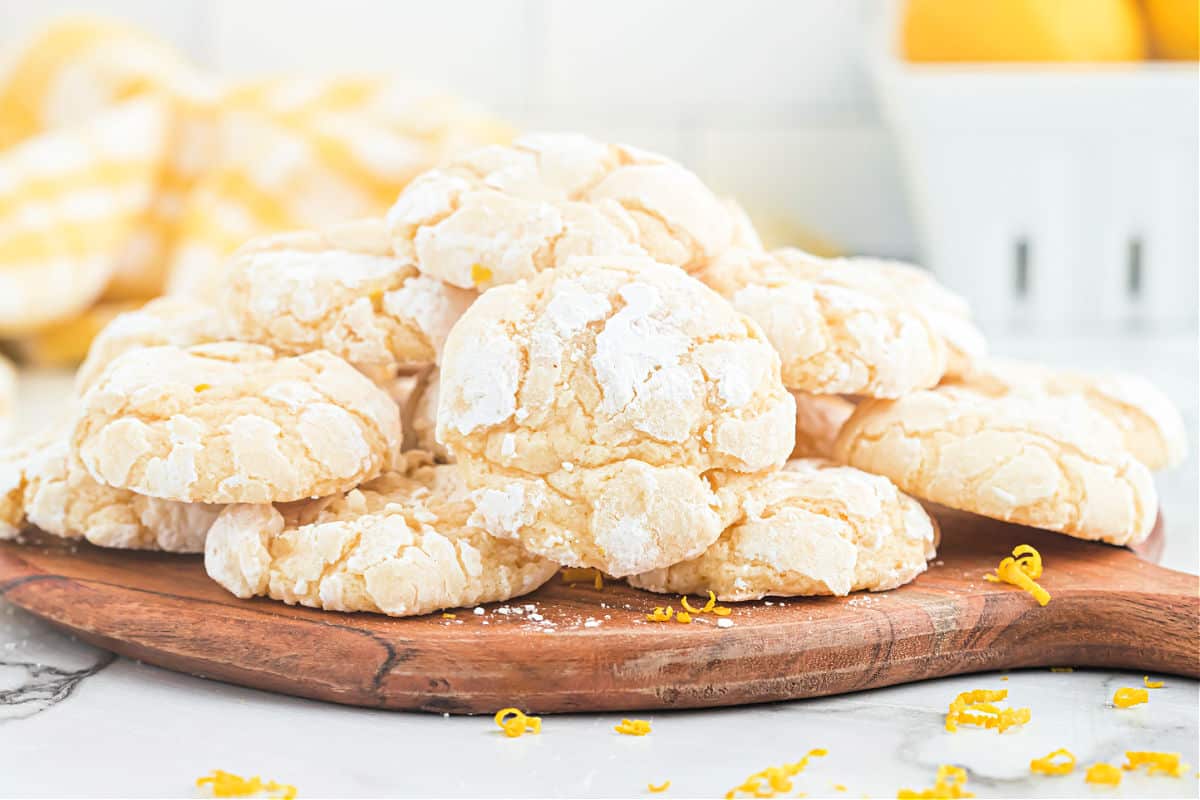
(8, 396)
(44, 486)
(813, 528)
(587, 406)
(174, 321)
(1048, 462)
(500, 214)
(1151, 426)
(946, 312)
(340, 289)
(832, 339)
(234, 423)
(63, 229)
(401, 545)
(819, 417)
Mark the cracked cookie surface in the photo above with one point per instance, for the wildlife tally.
(833, 338)
(44, 486)
(340, 289)
(813, 528)
(403, 544)
(171, 320)
(1049, 462)
(500, 214)
(587, 406)
(1150, 425)
(233, 423)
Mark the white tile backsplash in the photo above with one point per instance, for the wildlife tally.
(705, 56)
(180, 22)
(478, 48)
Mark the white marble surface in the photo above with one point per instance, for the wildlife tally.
(74, 721)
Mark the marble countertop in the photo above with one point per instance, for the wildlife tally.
(76, 721)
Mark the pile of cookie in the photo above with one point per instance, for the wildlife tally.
(570, 353)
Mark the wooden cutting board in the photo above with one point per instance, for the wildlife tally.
(1110, 608)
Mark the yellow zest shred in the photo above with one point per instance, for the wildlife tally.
(711, 604)
(203, 387)
(722, 611)
(480, 274)
(1127, 696)
(1022, 569)
(976, 708)
(950, 782)
(515, 723)
(1149, 684)
(661, 614)
(837, 787)
(226, 784)
(448, 615)
(633, 727)
(1103, 773)
(1155, 763)
(683, 617)
(1048, 766)
(683, 601)
(660, 788)
(777, 779)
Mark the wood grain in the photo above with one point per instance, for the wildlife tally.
(1110, 608)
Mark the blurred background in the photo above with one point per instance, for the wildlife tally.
(1041, 156)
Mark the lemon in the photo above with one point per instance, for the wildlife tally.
(1025, 30)
(1174, 28)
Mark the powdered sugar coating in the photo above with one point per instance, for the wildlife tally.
(172, 320)
(1048, 462)
(833, 335)
(400, 545)
(946, 312)
(1150, 425)
(813, 528)
(231, 422)
(340, 289)
(587, 405)
(500, 214)
(48, 488)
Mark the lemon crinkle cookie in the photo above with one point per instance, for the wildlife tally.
(1048, 462)
(231, 422)
(1151, 426)
(171, 320)
(946, 312)
(43, 485)
(340, 289)
(588, 405)
(499, 214)
(813, 528)
(403, 544)
(832, 339)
